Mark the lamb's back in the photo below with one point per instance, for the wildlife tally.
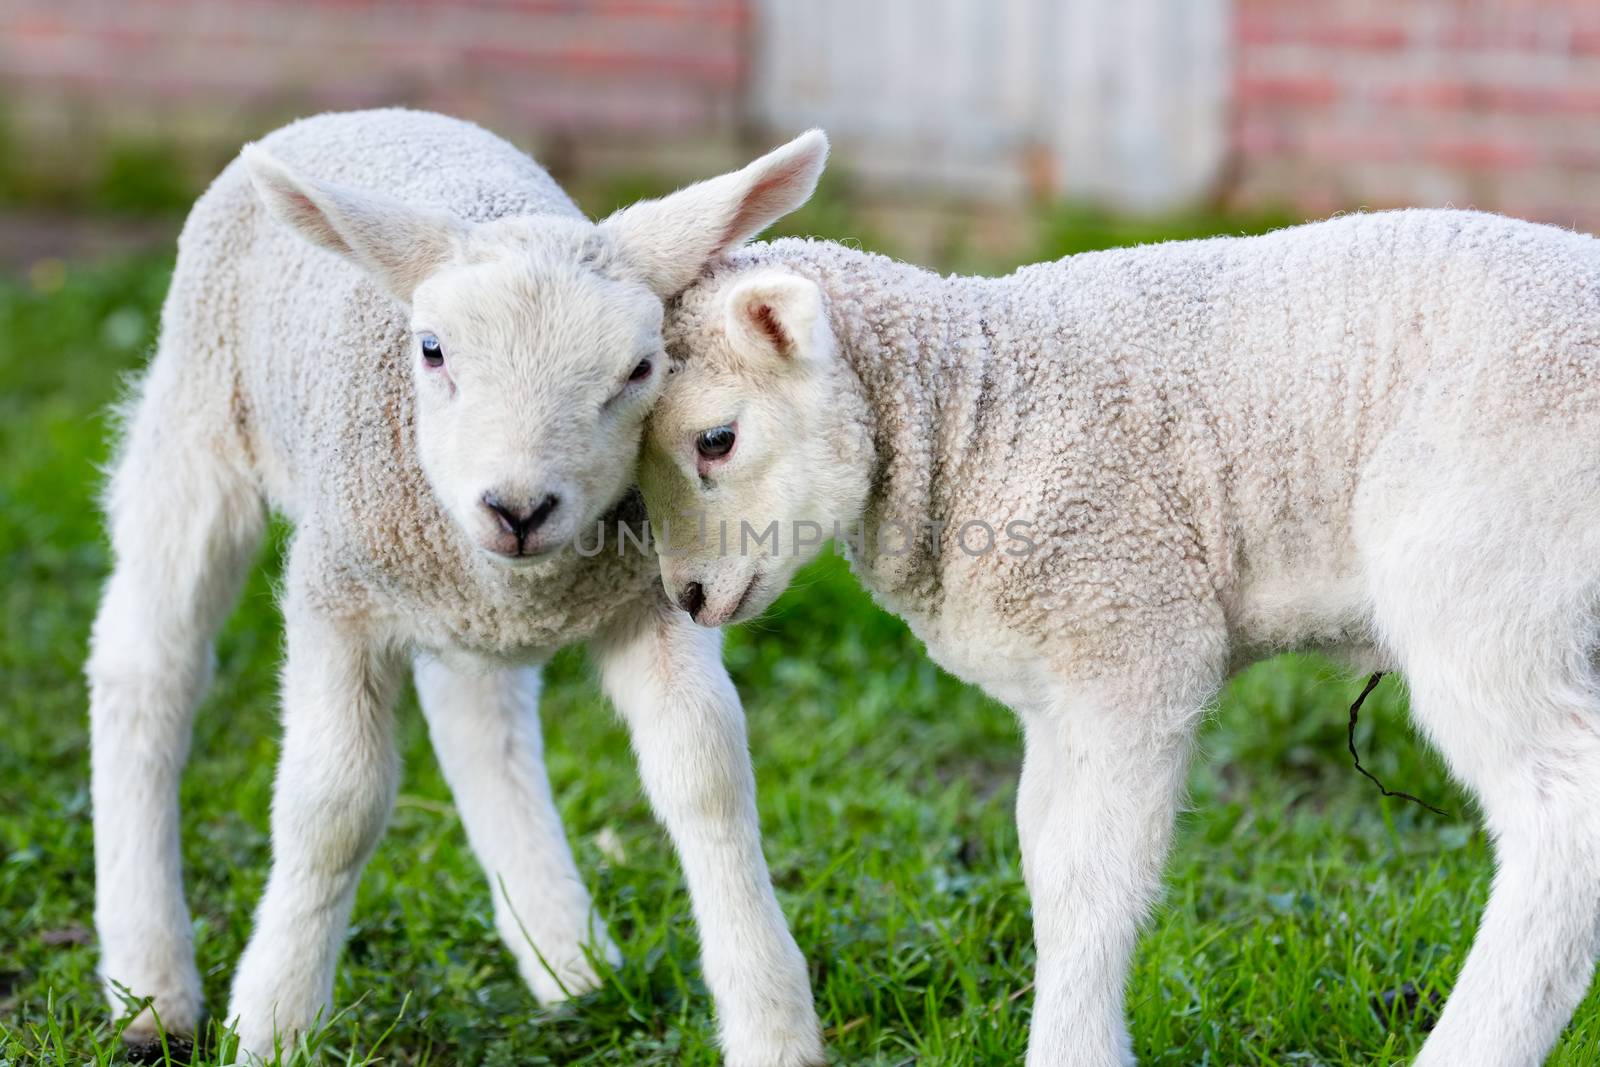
(421, 158)
(1204, 414)
(1391, 294)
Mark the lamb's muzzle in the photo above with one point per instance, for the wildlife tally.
(520, 524)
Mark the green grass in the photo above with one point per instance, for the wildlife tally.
(1296, 895)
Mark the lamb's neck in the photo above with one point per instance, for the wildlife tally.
(918, 347)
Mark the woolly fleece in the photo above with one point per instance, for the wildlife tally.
(1195, 431)
(321, 393)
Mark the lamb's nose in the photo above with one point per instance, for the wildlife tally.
(520, 520)
(692, 599)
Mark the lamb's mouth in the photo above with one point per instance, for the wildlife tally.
(526, 554)
(702, 612)
(744, 598)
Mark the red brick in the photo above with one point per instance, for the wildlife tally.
(1482, 154)
(38, 26)
(1576, 157)
(1586, 42)
(1515, 99)
(1258, 139)
(1400, 99)
(1271, 28)
(1284, 89)
(729, 12)
(1566, 99)
(1360, 144)
(712, 69)
(1369, 35)
(1247, 31)
(1446, 95)
(127, 36)
(1475, 36)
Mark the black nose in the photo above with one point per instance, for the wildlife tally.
(520, 520)
(692, 599)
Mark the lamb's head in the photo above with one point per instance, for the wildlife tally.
(537, 347)
(760, 448)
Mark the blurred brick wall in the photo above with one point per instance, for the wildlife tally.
(1377, 103)
(214, 72)
(1333, 104)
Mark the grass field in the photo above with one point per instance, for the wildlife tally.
(1297, 897)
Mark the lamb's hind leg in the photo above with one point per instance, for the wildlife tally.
(1483, 591)
(185, 523)
(1528, 744)
(484, 722)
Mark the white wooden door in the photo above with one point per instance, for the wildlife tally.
(1120, 101)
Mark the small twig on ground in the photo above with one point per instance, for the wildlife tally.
(1355, 709)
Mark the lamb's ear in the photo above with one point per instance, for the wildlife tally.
(669, 241)
(779, 317)
(399, 245)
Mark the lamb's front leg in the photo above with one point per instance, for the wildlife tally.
(666, 677)
(336, 783)
(484, 721)
(1100, 784)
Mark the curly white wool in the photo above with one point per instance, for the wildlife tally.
(1377, 436)
(290, 376)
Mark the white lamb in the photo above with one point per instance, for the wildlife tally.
(440, 397)
(1127, 474)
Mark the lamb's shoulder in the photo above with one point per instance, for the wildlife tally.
(1091, 549)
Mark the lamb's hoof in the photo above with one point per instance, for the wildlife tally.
(173, 1014)
(573, 979)
(146, 1047)
(801, 1049)
(574, 975)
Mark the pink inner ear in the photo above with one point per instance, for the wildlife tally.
(764, 203)
(310, 218)
(302, 207)
(766, 320)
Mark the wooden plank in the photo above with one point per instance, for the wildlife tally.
(1114, 100)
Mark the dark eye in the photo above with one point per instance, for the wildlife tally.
(432, 354)
(641, 372)
(715, 442)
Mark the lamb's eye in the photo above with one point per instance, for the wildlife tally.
(715, 442)
(432, 354)
(641, 372)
